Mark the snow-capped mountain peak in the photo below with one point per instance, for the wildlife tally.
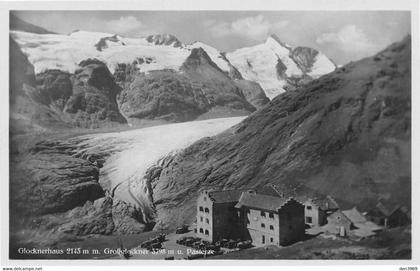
(272, 64)
(213, 53)
(274, 40)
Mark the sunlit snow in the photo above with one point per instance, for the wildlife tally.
(133, 152)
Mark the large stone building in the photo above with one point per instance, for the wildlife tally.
(246, 215)
(216, 214)
(317, 206)
(271, 220)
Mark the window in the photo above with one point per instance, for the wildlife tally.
(263, 239)
(207, 221)
(271, 215)
(309, 207)
(206, 210)
(308, 219)
(201, 209)
(206, 232)
(262, 213)
(201, 219)
(271, 239)
(201, 230)
(272, 227)
(263, 225)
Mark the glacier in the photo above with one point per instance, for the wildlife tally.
(130, 153)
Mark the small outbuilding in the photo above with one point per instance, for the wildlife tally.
(338, 224)
(389, 215)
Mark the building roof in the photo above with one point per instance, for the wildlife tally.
(225, 196)
(336, 214)
(264, 202)
(354, 216)
(269, 190)
(366, 229)
(323, 202)
(387, 208)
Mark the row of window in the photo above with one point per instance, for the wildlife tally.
(206, 210)
(206, 232)
(207, 220)
(263, 239)
(271, 226)
(270, 215)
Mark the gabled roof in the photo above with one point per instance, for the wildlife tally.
(225, 196)
(341, 214)
(387, 208)
(323, 202)
(263, 202)
(269, 190)
(354, 216)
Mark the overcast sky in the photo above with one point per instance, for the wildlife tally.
(342, 35)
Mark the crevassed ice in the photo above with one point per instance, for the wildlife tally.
(133, 152)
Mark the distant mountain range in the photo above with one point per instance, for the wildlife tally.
(217, 85)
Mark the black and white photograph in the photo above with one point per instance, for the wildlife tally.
(209, 134)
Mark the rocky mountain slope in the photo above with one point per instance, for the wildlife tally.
(20, 25)
(164, 81)
(55, 98)
(200, 90)
(346, 134)
(74, 187)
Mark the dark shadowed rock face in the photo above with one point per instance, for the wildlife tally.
(103, 42)
(27, 110)
(164, 39)
(53, 85)
(50, 180)
(20, 25)
(57, 99)
(197, 58)
(346, 134)
(253, 93)
(201, 89)
(281, 69)
(163, 94)
(86, 98)
(216, 85)
(21, 71)
(55, 192)
(304, 57)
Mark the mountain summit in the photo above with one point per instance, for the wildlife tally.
(274, 65)
(274, 38)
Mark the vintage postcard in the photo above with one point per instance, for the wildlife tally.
(199, 134)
